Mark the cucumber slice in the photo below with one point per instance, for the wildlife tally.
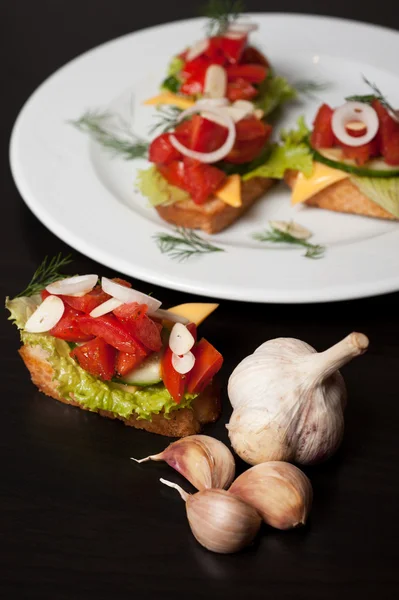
(374, 168)
(148, 373)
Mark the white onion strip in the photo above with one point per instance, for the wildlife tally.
(354, 111)
(216, 155)
(126, 294)
(197, 49)
(78, 284)
(243, 28)
(183, 364)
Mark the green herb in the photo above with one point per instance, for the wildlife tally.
(185, 244)
(172, 84)
(221, 14)
(118, 139)
(47, 273)
(166, 119)
(369, 98)
(307, 87)
(276, 236)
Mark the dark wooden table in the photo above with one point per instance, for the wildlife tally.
(77, 518)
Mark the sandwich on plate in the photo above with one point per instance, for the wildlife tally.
(107, 348)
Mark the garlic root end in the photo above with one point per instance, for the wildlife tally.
(328, 362)
(182, 493)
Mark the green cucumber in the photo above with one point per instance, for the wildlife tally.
(374, 168)
(148, 373)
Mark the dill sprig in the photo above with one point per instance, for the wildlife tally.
(118, 139)
(221, 14)
(308, 87)
(377, 95)
(276, 236)
(184, 244)
(166, 119)
(46, 273)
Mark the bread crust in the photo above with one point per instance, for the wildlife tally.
(214, 215)
(206, 408)
(343, 196)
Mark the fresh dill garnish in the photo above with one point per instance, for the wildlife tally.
(46, 273)
(276, 236)
(366, 98)
(377, 95)
(116, 138)
(221, 14)
(184, 244)
(307, 87)
(166, 119)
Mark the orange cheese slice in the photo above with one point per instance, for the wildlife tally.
(230, 191)
(321, 178)
(172, 99)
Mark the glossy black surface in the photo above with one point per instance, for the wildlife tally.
(78, 519)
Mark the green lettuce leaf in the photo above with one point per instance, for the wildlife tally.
(172, 82)
(94, 394)
(295, 136)
(175, 66)
(273, 92)
(155, 187)
(22, 308)
(383, 191)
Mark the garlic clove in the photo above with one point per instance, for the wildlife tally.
(219, 521)
(197, 49)
(106, 307)
(183, 364)
(280, 492)
(295, 229)
(71, 286)
(259, 113)
(204, 461)
(215, 84)
(181, 340)
(46, 316)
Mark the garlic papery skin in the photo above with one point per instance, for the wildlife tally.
(219, 521)
(203, 460)
(289, 400)
(280, 492)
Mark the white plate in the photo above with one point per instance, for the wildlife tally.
(87, 198)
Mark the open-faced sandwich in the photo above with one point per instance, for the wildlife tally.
(110, 349)
(348, 163)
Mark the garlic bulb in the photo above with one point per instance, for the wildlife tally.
(288, 400)
(218, 520)
(279, 491)
(202, 460)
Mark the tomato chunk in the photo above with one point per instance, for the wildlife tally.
(161, 150)
(233, 48)
(322, 135)
(361, 154)
(97, 358)
(68, 327)
(127, 362)
(251, 137)
(111, 330)
(206, 136)
(240, 89)
(173, 173)
(89, 301)
(208, 362)
(192, 329)
(202, 180)
(248, 72)
(143, 329)
(388, 134)
(173, 381)
(253, 56)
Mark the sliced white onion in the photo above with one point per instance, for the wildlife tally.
(354, 111)
(79, 284)
(259, 113)
(46, 316)
(237, 113)
(242, 28)
(234, 35)
(215, 102)
(197, 49)
(180, 341)
(106, 307)
(168, 316)
(216, 155)
(215, 84)
(126, 294)
(183, 364)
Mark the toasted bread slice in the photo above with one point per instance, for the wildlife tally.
(214, 215)
(206, 407)
(343, 196)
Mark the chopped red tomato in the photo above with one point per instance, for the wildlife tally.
(173, 381)
(173, 173)
(194, 85)
(111, 330)
(253, 56)
(240, 89)
(361, 154)
(208, 362)
(89, 301)
(68, 327)
(183, 132)
(388, 134)
(192, 329)
(206, 136)
(97, 358)
(322, 135)
(233, 48)
(127, 362)
(196, 67)
(202, 180)
(161, 150)
(250, 73)
(251, 137)
(122, 282)
(143, 329)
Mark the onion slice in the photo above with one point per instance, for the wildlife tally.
(354, 111)
(126, 294)
(242, 28)
(79, 284)
(46, 316)
(181, 340)
(183, 364)
(106, 307)
(216, 155)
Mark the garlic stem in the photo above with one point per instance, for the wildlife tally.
(324, 364)
(182, 493)
(147, 458)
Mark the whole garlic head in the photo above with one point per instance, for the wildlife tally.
(289, 400)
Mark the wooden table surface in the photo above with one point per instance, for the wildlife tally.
(79, 520)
